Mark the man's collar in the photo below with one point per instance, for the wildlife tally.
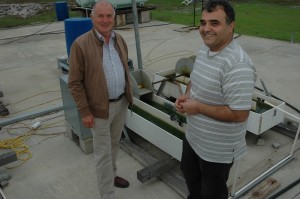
(101, 38)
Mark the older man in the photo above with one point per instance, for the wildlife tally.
(99, 83)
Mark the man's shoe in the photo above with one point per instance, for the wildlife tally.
(3, 110)
(121, 182)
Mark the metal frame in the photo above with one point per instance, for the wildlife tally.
(2, 194)
(270, 171)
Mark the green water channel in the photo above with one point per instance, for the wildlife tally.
(151, 118)
(170, 110)
(261, 107)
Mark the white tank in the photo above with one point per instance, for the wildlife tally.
(117, 3)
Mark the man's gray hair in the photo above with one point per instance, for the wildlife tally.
(103, 1)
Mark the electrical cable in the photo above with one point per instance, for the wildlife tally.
(32, 34)
(166, 56)
(26, 36)
(147, 61)
(32, 106)
(32, 97)
(297, 194)
(47, 119)
(237, 36)
(285, 189)
(131, 27)
(53, 136)
(17, 143)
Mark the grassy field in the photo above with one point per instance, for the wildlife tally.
(275, 19)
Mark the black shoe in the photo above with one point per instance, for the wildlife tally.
(3, 110)
(121, 182)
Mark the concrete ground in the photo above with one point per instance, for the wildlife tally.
(58, 169)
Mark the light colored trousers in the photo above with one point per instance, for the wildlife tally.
(106, 137)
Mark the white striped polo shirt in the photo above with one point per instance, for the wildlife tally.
(223, 78)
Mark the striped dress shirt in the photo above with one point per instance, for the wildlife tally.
(113, 68)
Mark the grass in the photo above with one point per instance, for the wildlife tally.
(279, 23)
(44, 16)
(275, 19)
(32, 1)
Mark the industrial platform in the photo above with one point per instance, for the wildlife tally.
(59, 169)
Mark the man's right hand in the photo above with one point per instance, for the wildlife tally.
(178, 103)
(88, 121)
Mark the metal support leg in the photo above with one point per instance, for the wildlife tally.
(2, 196)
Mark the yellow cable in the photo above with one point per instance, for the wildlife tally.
(17, 144)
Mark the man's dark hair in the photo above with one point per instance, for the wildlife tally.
(211, 5)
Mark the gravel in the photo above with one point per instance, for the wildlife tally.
(23, 10)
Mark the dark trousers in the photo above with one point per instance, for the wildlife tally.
(205, 180)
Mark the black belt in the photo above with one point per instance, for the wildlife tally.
(117, 99)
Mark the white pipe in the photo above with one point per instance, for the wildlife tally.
(262, 176)
(266, 102)
(2, 194)
(295, 141)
